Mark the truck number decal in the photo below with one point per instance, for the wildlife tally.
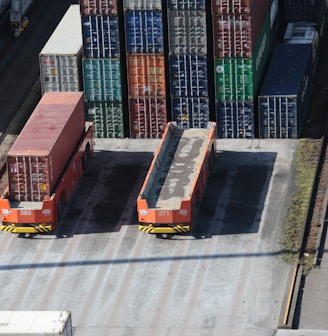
(25, 212)
(163, 213)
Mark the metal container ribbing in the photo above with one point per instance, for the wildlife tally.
(144, 32)
(239, 78)
(147, 117)
(108, 118)
(190, 112)
(145, 68)
(60, 58)
(98, 7)
(232, 6)
(188, 68)
(186, 4)
(102, 79)
(100, 36)
(236, 35)
(188, 75)
(235, 119)
(187, 32)
(142, 4)
(284, 96)
(146, 75)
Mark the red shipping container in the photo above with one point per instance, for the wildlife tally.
(237, 35)
(98, 7)
(147, 117)
(220, 7)
(146, 75)
(40, 153)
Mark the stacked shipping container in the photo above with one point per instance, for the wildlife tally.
(284, 96)
(101, 67)
(60, 58)
(314, 11)
(145, 68)
(188, 63)
(241, 32)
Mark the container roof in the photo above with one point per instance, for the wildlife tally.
(45, 124)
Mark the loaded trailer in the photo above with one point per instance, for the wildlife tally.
(45, 163)
(170, 197)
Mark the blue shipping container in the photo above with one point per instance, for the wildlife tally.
(188, 75)
(190, 112)
(186, 4)
(100, 35)
(304, 10)
(101, 79)
(144, 31)
(285, 92)
(235, 119)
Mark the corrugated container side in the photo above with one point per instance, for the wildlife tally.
(148, 117)
(40, 153)
(100, 36)
(98, 7)
(284, 95)
(187, 32)
(142, 4)
(304, 10)
(188, 74)
(60, 57)
(235, 119)
(108, 118)
(239, 78)
(146, 75)
(220, 7)
(237, 35)
(60, 72)
(102, 79)
(144, 32)
(190, 112)
(186, 4)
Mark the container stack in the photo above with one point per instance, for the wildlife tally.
(102, 67)
(145, 68)
(187, 32)
(241, 46)
(60, 59)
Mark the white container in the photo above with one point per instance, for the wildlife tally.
(36, 323)
(60, 60)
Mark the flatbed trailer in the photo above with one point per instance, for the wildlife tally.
(42, 216)
(170, 197)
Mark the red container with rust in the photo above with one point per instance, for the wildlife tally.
(40, 153)
(232, 6)
(98, 7)
(236, 35)
(147, 117)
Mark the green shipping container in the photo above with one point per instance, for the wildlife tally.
(102, 79)
(239, 78)
(108, 118)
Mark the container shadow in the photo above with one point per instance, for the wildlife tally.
(235, 194)
(105, 198)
